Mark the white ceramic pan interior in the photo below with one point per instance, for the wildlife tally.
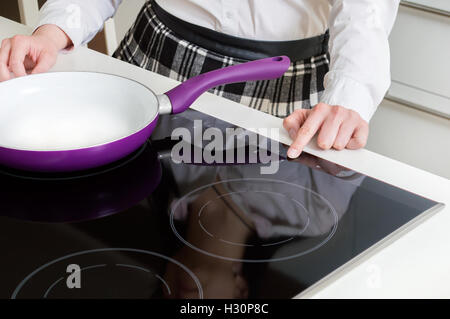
(72, 110)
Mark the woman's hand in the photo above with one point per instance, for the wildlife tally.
(337, 126)
(36, 53)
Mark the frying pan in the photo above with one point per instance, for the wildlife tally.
(69, 121)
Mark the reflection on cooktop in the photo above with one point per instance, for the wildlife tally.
(150, 227)
(231, 217)
(77, 196)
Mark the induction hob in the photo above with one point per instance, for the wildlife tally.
(149, 226)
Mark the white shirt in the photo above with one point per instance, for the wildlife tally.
(359, 73)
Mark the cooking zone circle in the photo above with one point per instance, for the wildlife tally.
(256, 215)
(105, 273)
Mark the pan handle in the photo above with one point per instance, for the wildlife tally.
(182, 96)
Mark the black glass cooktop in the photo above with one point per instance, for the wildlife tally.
(250, 225)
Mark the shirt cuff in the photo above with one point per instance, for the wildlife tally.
(75, 34)
(349, 93)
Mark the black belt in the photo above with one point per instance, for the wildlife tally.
(242, 48)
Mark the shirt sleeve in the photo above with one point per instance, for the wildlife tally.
(81, 20)
(359, 73)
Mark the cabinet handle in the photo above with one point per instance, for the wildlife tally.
(425, 8)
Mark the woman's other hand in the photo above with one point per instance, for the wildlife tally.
(36, 53)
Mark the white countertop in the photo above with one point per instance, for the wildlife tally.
(416, 265)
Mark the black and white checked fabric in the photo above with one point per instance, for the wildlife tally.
(153, 46)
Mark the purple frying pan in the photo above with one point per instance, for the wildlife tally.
(69, 121)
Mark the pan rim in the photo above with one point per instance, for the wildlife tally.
(146, 123)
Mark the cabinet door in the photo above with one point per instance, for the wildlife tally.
(420, 64)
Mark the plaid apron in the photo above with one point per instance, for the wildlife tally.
(152, 45)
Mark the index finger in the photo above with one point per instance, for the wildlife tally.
(293, 122)
(306, 132)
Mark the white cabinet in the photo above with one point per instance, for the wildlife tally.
(411, 136)
(420, 66)
(420, 59)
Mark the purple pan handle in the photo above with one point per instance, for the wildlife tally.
(183, 95)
